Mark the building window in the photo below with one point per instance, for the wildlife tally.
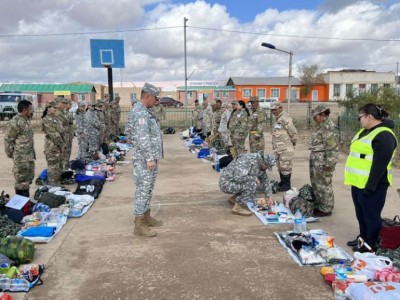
(362, 88)
(349, 89)
(216, 94)
(82, 97)
(274, 93)
(386, 85)
(246, 93)
(336, 90)
(374, 87)
(226, 94)
(261, 93)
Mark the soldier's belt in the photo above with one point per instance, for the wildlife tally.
(253, 132)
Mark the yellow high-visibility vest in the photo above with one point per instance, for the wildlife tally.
(359, 161)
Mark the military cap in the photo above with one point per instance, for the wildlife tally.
(253, 98)
(320, 108)
(61, 100)
(234, 102)
(82, 103)
(99, 103)
(269, 159)
(276, 105)
(51, 104)
(151, 89)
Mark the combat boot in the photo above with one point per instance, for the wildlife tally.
(241, 210)
(20, 192)
(150, 221)
(232, 200)
(142, 229)
(286, 183)
(280, 182)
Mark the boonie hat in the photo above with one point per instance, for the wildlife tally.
(320, 108)
(151, 89)
(81, 103)
(51, 104)
(276, 105)
(99, 103)
(61, 100)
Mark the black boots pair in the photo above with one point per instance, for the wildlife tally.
(285, 184)
(24, 193)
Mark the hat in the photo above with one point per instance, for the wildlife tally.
(253, 98)
(269, 159)
(99, 103)
(151, 89)
(224, 105)
(117, 98)
(51, 104)
(234, 102)
(61, 100)
(81, 103)
(276, 105)
(320, 108)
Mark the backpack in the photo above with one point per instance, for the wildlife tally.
(52, 200)
(19, 249)
(92, 187)
(306, 207)
(169, 130)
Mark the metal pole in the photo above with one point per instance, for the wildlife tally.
(184, 44)
(110, 82)
(290, 80)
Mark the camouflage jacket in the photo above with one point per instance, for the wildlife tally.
(284, 134)
(18, 140)
(52, 127)
(257, 121)
(128, 126)
(197, 113)
(92, 122)
(145, 133)
(80, 122)
(100, 117)
(113, 116)
(245, 168)
(207, 118)
(216, 120)
(325, 140)
(159, 111)
(238, 124)
(223, 126)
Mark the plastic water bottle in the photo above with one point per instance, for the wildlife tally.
(217, 166)
(340, 281)
(300, 224)
(20, 285)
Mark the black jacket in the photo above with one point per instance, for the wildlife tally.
(383, 145)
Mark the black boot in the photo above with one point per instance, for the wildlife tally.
(285, 183)
(20, 192)
(26, 193)
(280, 182)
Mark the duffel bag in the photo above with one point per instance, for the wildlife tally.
(390, 233)
(18, 249)
(91, 187)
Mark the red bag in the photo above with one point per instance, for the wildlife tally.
(390, 233)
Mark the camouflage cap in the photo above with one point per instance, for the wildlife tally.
(254, 99)
(234, 102)
(269, 159)
(82, 103)
(51, 104)
(151, 89)
(61, 100)
(99, 103)
(276, 105)
(320, 108)
(117, 98)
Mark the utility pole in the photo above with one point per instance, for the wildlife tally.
(185, 54)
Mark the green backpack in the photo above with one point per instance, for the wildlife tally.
(52, 200)
(19, 249)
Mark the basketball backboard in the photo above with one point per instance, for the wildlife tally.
(107, 53)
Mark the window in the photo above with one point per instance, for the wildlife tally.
(349, 89)
(374, 87)
(216, 94)
(336, 90)
(362, 88)
(226, 94)
(246, 93)
(386, 85)
(261, 93)
(275, 93)
(81, 97)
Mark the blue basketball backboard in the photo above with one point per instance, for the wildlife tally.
(107, 53)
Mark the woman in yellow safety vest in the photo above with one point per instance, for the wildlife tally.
(369, 171)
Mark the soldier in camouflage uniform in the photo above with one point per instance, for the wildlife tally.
(243, 177)
(118, 114)
(159, 111)
(69, 135)
(100, 117)
(113, 119)
(62, 114)
(238, 127)
(147, 150)
(207, 118)
(216, 117)
(324, 146)
(80, 130)
(54, 143)
(128, 125)
(92, 130)
(284, 139)
(257, 121)
(197, 115)
(107, 121)
(223, 125)
(18, 144)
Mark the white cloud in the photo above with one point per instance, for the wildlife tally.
(214, 54)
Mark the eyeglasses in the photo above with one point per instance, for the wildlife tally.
(359, 117)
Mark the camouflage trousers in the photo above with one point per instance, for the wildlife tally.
(197, 124)
(24, 172)
(257, 144)
(144, 181)
(321, 182)
(82, 146)
(238, 143)
(245, 191)
(284, 161)
(226, 138)
(67, 154)
(54, 163)
(114, 129)
(93, 147)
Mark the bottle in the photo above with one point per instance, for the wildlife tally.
(340, 284)
(20, 285)
(298, 222)
(217, 166)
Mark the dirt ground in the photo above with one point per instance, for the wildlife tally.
(201, 252)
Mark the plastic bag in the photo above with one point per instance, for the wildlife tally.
(368, 263)
(374, 291)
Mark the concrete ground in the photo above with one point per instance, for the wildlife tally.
(201, 252)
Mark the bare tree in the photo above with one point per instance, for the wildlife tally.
(309, 76)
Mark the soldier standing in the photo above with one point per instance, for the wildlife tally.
(207, 118)
(284, 139)
(18, 144)
(216, 117)
(69, 135)
(257, 122)
(324, 148)
(107, 122)
(243, 177)
(100, 117)
(117, 110)
(197, 115)
(92, 130)
(223, 125)
(238, 127)
(80, 130)
(159, 111)
(147, 150)
(128, 125)
(54, 143)
(62, 114)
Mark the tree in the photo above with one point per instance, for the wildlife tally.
(309, 76)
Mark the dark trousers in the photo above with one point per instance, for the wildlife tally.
(368, 212)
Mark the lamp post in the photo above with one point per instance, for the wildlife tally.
(290, 69)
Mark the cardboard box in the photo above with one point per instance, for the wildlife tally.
(15, 207)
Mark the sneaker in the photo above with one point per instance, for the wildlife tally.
(240, 210)
(321, 214)
(353, 243)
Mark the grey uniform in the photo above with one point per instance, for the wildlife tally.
(92, 131)
(80, 134)
(240, 177)
(147, 146)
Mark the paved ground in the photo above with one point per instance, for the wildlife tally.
(201, 252)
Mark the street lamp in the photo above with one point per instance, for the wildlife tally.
(290, 69)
